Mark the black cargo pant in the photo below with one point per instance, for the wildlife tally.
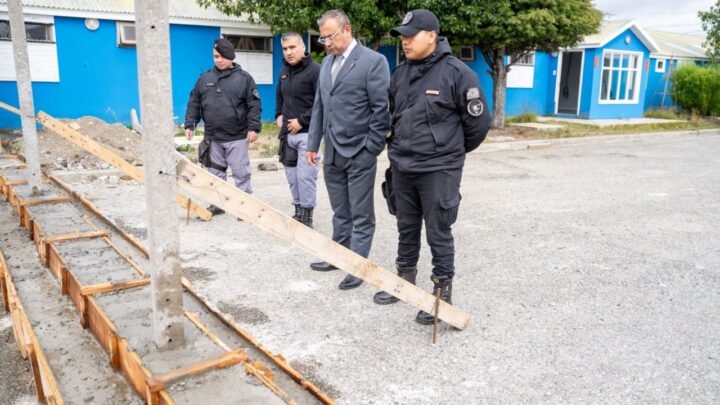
(435, 198)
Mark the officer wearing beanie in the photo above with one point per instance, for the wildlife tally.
(439, 114)
(226, 99)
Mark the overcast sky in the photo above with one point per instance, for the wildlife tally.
(666, 15)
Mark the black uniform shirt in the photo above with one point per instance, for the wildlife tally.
(296, 92)
(227, 101)
(439, 113)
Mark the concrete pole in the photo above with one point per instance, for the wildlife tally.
(153, 53)
(24, 85)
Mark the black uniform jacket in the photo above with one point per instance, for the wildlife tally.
(295, 96)
(439, 113)
(227, 101)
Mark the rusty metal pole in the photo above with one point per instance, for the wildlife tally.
(24, 86)
(153, 54)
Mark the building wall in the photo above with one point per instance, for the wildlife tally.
(99, 78)
(539, 99)
(598, 110)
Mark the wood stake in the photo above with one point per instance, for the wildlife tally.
(437, 307)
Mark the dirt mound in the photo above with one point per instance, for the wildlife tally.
(59, 153)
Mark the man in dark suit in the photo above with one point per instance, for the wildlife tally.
(351, 113)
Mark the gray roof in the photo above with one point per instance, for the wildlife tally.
(678, 45)
(665, 43)
(177, 8)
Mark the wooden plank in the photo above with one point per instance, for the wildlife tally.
(132, 367)
(203, 184)
(226, 360)
(110, 157)
(10, 108)
(36, 372)
(56, 265)
(276, 359)
(92, 208)
(46, 200)
(196, 321)
(74, 236)
(106, 287)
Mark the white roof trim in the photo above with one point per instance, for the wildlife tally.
(101, 15)
(639, 32)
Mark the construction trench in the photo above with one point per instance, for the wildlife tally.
(100, 268)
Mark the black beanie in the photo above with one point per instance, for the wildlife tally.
(225, 48)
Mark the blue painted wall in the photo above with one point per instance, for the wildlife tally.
(540, 99)
(99, 78)
(600, 111)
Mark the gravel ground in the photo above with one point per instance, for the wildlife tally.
(590, 272)
(15, 374)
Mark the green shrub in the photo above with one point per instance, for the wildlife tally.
(697, 89)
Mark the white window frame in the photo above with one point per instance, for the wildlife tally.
(121, 38)
(660, 65)
(620, 69)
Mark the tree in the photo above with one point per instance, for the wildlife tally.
(711, 25)
(513, 28)
(371, 20)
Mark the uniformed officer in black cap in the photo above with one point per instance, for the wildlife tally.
(439, 114)
(227, 100)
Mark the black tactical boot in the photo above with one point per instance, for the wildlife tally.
(298, 212)
(445, 286)
(306, 216)
(406, 273)
(215, 210)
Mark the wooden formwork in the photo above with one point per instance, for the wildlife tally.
(46, 386)
(92, 317)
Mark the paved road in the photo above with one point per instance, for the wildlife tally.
(591, 272)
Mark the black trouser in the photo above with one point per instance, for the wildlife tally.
(434, 197)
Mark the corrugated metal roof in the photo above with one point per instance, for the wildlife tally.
(679, 45)
(177, 8)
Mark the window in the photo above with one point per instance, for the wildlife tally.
(35, 32)
(660, 65)
(621, 72)
(244, 43)
(315, 47)
(525, 60)
(126, 34)
(466, 53)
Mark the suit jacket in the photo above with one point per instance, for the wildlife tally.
(354, 112)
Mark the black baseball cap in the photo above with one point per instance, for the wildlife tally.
(416, 21)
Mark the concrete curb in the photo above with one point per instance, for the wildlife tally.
(584, 140)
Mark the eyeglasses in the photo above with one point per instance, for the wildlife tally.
(330, 38)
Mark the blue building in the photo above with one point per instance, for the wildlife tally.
(83, 62)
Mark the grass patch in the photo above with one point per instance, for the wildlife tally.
(573, 130)
(522, 118)
(669, 114)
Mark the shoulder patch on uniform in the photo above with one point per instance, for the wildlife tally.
(472, 93)
(283, 77)
(475, 107)
(256, 93)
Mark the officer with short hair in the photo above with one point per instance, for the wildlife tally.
(439, 114)
(293, 109)
(227, 100)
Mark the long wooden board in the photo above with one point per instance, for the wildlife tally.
(199, 182)
(110, 157)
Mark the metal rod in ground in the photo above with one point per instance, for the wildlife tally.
(437, 309)
(24, 86)
(153, 54)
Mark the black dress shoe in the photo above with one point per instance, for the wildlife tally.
(215, 210)
(350, 282)
(322, 266)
